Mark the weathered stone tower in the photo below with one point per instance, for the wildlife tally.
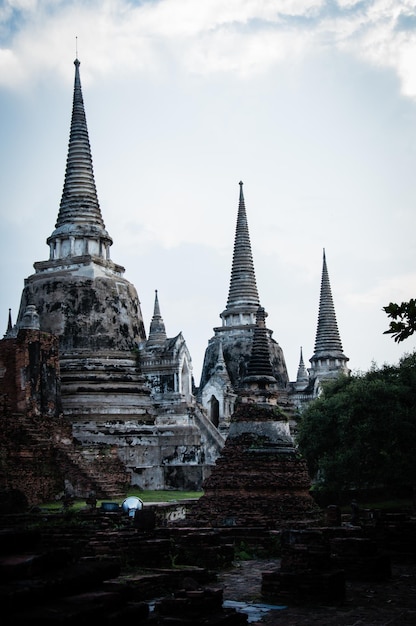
(259, 479)
(81, 296)
(120, 391)
(228, 352)
(328, 360)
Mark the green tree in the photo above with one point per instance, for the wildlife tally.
(361, 432)
(403, 318)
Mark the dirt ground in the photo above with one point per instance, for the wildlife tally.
(390, 603)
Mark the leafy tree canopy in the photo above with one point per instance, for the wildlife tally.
(361, 432)
(403, 318)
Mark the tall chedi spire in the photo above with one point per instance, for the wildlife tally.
(243, 298)
(328, 360)
(80, 227)
(235, 336)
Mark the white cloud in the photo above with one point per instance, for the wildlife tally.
(210, 36)
(185, 18)
(239, 36)
(406, 67)
(375, 34)
(11, 70)
(183, 99)
(8, 6)
(348, 4)
(246, 54)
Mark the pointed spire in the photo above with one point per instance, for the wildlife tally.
(11, 330)
(302, 377)
(156, 308)
(79, 201)
(79, 213)
(328, 359)
(259, 365)
(243, 295)
(157, 332)
(327, 334)
(9, 322)
(220, 359)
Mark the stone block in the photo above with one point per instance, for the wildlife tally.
(304, 587)
(371, 568)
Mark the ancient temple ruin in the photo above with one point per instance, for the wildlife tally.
(114, 393)
(259, 480)
(132, 396)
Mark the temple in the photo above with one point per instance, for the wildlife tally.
(260, 479)
(120, 406)
(115, 393)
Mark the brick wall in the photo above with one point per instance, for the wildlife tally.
(29, 374)
(30, 415)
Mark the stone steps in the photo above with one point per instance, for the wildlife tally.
(108, 484)
(88, 468)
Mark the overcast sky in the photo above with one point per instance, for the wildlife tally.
(311, 103)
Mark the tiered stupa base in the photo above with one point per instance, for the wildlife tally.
(259, 479)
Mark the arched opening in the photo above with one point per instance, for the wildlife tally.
(214, 411)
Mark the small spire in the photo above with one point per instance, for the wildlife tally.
(157, 332)
(302, 377)
(221, 367)
(259, 364)
(220, 358)
(11, 330)
(243, 288)
(156, 308)
(9, 323)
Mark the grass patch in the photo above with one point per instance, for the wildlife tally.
(146, 496)
(164, 496)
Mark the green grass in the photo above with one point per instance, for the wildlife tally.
(164, 496)
(146, 496)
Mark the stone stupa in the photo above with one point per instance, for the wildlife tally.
(82, 297)
(260, 479)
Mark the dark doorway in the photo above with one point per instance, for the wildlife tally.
(214, 411)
